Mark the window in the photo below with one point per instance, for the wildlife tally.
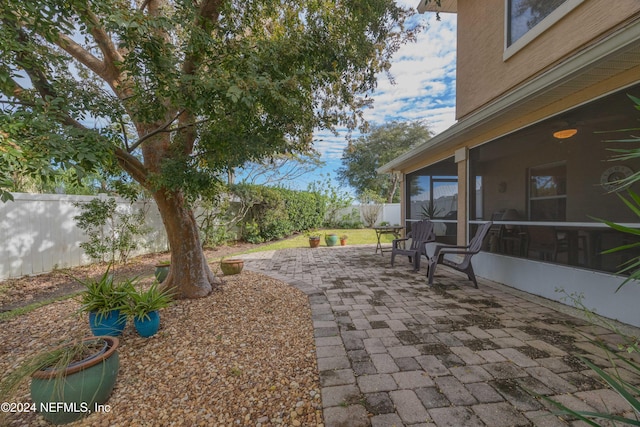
(527, 19)
(548, 192)
(526, 14)
(433, 193)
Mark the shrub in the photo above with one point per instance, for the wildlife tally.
(112, 234)
(251, 232)
(333, 200)
(351, 220)
(274, 213)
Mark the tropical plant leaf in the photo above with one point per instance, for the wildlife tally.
(564, 410)
(616, 384)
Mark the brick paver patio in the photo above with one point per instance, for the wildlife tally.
(394, 352)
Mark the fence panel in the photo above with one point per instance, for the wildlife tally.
(38, 233)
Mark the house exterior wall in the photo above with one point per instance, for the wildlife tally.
(623, 79)
(507, 110)
(483, 74)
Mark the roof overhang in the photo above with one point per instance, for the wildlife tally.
(446, 6)
(599, 62)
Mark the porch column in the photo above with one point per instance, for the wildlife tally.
(461, 159)
(403, 202)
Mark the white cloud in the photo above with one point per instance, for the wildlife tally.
(424, 75)
(424, 89)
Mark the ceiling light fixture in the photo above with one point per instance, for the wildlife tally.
(565, 133)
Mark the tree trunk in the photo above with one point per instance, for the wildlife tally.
(394, 187)
(189, 275)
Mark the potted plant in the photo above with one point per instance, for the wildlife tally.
(314, 238)
(104, 300)
(331, 239)
(162, 270)
(231, 266)
(343, 240)
(144, 307)
(70, 381)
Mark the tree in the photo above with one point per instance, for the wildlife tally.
(277, 170)
(176, 92)
(382, 144)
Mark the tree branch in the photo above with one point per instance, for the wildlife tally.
(144, 4)
(82, 55)
(133, 166)
(108, 49)
(153, 132)
(208, 13)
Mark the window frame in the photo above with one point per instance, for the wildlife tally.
(538, 29)
(531, 199)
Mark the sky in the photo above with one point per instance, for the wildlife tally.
(424, 89)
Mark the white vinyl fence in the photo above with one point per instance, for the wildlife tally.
(38, 233)
(389, 212)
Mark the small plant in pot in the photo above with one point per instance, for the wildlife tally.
(68, 382)
(104, 301)
(144, 306)
(314, 239)
(343, 240)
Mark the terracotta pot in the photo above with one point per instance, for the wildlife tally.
(314, 242)
(231, 266)
(343, 242)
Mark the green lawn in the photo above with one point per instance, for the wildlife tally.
(359, 236)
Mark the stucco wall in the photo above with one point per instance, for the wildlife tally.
(483, 74)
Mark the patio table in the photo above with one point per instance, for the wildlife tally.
(386, 229)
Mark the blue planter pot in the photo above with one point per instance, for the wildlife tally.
(148, 327)
(111, 324)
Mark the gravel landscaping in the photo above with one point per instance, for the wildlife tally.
(245, 355)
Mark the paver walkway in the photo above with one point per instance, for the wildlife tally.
(394, 352)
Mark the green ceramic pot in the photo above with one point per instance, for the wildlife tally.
(162, 271)
(64, 396)
(331, 239)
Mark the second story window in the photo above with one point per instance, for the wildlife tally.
(526, 14)
(527, 19)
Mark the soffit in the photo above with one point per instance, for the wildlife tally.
(593, 65)
(448, 6)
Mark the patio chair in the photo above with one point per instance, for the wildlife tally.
(464, 265)
(420, 234)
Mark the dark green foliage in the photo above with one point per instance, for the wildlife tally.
(367, 153)
(631, 267)
(141, 303)
(175, 93)
(104, 295)
(251, 232)
(276, 212)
